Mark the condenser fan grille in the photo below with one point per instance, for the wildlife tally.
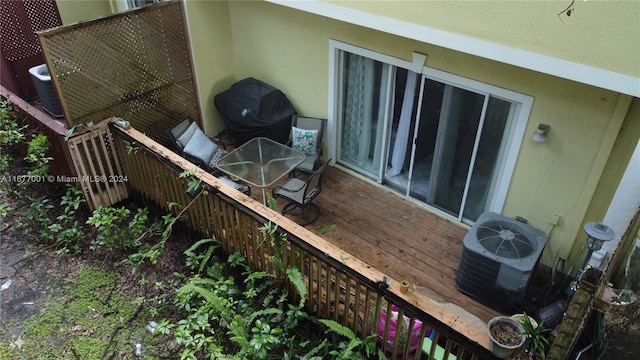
(505, 238)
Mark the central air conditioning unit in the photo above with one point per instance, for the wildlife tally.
(498, 258)
(46, 92)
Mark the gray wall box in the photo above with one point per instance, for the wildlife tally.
(46, 92)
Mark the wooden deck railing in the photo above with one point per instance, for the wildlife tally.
(340, 286)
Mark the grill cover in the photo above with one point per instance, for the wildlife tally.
(251, 108)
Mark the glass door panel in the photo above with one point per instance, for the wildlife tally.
(488, 157)
(459, 120)
(403, 122)
(364, 98)
(425, 140)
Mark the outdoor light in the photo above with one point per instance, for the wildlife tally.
(540, 135)
(597, 234)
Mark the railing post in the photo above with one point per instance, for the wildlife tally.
(576, 315)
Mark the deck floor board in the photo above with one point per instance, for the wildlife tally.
(396, 236)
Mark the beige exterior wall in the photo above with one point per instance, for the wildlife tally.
(72, 11)
(600, 33)
(625, 143)
(212, 53)
(289, 49)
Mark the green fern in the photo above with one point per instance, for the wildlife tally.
(203, 258)
(355, 347)
(325, 229)
(238, 330)
(348, 351)
(198, 243)
(336, 327)
(313, 353)
(297, 279)
(216, 302)
(270, 296)
(263, 312)
(256, 275)
(272, 203)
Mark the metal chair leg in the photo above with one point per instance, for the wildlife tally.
(307, 219)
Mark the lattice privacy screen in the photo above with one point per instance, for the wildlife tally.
(135, 65)
(19, 45)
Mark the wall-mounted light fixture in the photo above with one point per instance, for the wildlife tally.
(540, 135)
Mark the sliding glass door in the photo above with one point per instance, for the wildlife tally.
(448, 140)
(439, 142)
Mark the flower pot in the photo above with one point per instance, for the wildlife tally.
(520, 318)
(504, 333)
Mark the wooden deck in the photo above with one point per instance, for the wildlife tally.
(396, 237)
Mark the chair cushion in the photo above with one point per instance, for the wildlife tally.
(201, 147)
(304, 140)
(229, 182)
(184, 138)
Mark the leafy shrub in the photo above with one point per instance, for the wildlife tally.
(10, 134)
(37, 149)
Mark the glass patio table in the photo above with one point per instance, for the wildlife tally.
(260, 162)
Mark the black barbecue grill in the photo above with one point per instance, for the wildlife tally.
(251, 108)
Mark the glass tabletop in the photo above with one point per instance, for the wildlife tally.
(260, 161)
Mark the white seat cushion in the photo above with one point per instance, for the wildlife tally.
(184, 138)
(200, 147)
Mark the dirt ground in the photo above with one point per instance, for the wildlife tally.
(32, 272)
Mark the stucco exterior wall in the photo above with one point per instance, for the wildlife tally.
(625, 143)
(72, 11)
(587, 36)
(289, 49)
(212, 53)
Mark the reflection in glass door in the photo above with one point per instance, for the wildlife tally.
(432, 141)
(457, 129)
(454, 164)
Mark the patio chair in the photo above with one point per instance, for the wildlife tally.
(196, 146)
(300, 194)
(307, 135)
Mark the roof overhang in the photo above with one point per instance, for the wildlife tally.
(590, 75)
